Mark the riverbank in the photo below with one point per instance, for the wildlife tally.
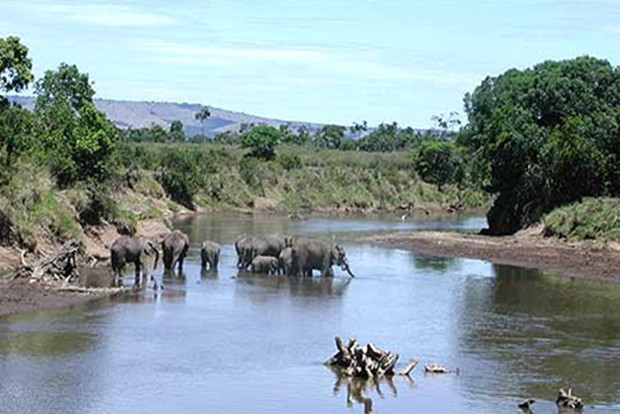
(21, 296)
(525, 249)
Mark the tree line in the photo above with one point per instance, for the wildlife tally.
(534, 139)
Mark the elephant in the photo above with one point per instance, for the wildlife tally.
(310, 254)
(128, 249)
(210, 254)
(243, 246)
(174, 247)
(267, 246)
(249, 247)
(264, 264)
(285, 260)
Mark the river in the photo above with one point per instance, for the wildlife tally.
(255, 344)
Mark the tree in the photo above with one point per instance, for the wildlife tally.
(176, 131)
(64, 84)
(545, 136)
(330, 136)
(15, 66)
(262, 140)
(74, 138)
(201, 115)
(437, 162)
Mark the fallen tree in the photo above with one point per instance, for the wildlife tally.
(366, 362)
(60, 265)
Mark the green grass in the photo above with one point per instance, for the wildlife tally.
(308, 178)
(591, 219)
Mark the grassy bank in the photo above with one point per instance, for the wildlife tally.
(298, 178)
(591, 219)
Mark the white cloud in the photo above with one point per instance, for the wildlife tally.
(111, 15)
(322, 62)
(194, 54)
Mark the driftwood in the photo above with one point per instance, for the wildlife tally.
(526, 405)
(57, 266)
(568, 400)
(366, 362)
(438, 369)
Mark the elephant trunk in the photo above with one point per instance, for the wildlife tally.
(345, 267)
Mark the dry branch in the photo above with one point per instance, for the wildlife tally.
(365, 362)
(60, 265)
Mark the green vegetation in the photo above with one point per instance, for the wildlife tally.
(67, 167)
(591, 219)
(437, 162)
(544, 137)
(262, 141)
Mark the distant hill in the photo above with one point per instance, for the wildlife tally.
(130, 114)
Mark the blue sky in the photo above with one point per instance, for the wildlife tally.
(323, 61)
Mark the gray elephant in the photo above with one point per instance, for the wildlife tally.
(267, 246)
(174, 247)
(265, 265)
(128, 249)
(210, 254)
(243, 246)
(311, 254)
(285, 261)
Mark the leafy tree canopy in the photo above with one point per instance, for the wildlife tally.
(15, 66)
(262, 140)
(545, 136)
(64, 84)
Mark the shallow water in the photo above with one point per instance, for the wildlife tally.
(221, 343)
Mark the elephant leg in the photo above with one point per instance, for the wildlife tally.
(138, 265)
(216, 260)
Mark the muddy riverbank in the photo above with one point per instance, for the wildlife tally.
(526, 249)
(20, 297)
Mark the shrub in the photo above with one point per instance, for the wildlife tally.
(262, 141)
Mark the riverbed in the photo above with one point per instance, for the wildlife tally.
(237, 343)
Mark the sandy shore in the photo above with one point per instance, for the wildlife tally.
(527, 249)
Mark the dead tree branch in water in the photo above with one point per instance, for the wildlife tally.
(366, 362)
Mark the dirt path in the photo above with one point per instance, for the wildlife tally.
(527, 249)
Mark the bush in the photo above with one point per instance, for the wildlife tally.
(590, 219)
(180, 176)
(262, 141)
(290, 161)
(437, 162)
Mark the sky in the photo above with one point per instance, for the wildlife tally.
(320, 61)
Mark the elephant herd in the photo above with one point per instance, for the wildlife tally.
(292, 256)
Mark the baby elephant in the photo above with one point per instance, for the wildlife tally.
(265, 264)
(210, 254)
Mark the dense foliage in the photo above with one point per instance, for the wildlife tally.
(262, 141)
(545, 136)
(438, 162)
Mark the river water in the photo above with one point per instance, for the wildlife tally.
(255, 344)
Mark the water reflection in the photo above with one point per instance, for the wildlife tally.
(207, 335)
(535, 332)
(360, 390)
(434, 263)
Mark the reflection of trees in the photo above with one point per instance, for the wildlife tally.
(41, 358)
(533, 332)
(434, 263)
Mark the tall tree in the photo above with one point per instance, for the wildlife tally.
(15, 66)
(201, 115)
(64, 84)
(545, 136)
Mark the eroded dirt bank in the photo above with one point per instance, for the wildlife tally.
(527, 249)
